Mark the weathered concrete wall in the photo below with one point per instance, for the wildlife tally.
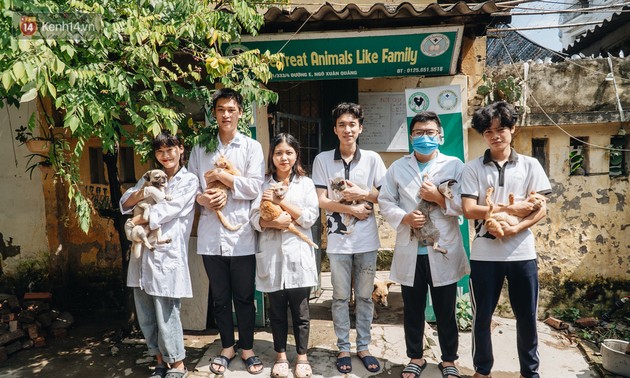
(585, 238)
(22, 222)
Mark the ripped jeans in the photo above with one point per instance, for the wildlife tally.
(342, 267)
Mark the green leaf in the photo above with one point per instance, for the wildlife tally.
(7, 80)
(72, 122)
(18, 71)
(51, 89)
(72, 77)
(29, 96)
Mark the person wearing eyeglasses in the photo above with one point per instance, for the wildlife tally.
(416, 265)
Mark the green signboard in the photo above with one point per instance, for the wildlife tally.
(351, 55)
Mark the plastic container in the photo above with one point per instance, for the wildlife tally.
(614, 357)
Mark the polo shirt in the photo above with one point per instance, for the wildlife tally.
(520, 175)
(367, 170)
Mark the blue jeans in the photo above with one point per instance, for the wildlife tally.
(161, 325)
(342, 267)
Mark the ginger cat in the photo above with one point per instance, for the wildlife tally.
(224, 164)
(270, 211)
(492, 219)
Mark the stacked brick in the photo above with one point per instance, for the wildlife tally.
(31, 323)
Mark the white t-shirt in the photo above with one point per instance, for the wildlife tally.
(366, 170)
(519, 175)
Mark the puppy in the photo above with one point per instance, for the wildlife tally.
(154, 192)
(380, 293)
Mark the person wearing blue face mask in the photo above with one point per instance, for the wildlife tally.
(416, 265)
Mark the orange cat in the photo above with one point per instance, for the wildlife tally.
(270, 211)
(492, 219)
(224, 164)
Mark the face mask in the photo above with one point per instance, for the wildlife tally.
(425, 145)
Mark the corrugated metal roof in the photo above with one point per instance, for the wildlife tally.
(378, 15)
(519, 48)
(596, 35)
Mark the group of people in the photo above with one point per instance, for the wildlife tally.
(262, 255)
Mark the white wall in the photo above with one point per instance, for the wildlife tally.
(22, 215)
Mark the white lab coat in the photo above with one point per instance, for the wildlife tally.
(164, 271)
(283, 260)
(398, 196)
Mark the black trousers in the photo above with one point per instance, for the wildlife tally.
(486, 282)
(295, 300)
(232, 280)
(414, 301)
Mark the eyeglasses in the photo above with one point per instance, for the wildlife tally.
(430, 133)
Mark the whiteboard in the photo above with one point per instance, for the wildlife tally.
(385, 122)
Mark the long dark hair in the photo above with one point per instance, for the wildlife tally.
(292, 141)
(166, 139)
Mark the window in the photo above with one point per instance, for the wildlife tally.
(578, 158)
(126, 169)
(617, 162)
(97, 169)
(539, 151)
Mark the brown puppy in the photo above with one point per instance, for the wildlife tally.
(380, 294)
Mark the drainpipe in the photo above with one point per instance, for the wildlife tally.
(611, 77)
(524, 96)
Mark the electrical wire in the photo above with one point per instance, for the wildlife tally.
(552, 121)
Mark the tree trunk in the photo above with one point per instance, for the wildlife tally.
(111, 162)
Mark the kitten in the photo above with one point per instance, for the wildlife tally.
(224, 164)
(429, 233)
(270, 211)
(338, 185)
(492, 219)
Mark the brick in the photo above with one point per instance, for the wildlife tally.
(44, 296)
(14, 347)
(8, 317)
(11, 336)
(32, 330)
(27, 344)
(39, 342)
(13, 325)
(59, 333)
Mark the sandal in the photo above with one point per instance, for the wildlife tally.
(344, 364)
(370, 361)
(303, 369)
(220, 360)
(252, 362)
(280, 368)
(176, 373)
(415, 369)
(449, 370)
(159, 372)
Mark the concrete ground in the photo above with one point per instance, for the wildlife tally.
(559, 356)
(94, 348)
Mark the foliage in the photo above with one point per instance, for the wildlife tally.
(509, 89)
(576, 161)
(146, 57)
(569, 314)
(463, 312)
(30, 275)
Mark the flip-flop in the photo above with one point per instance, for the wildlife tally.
(449, 370)
(159, 371)
(176, 373)
(220, 360)
(251, 362)
(368, 361)
(415, 369)
(344, 361)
